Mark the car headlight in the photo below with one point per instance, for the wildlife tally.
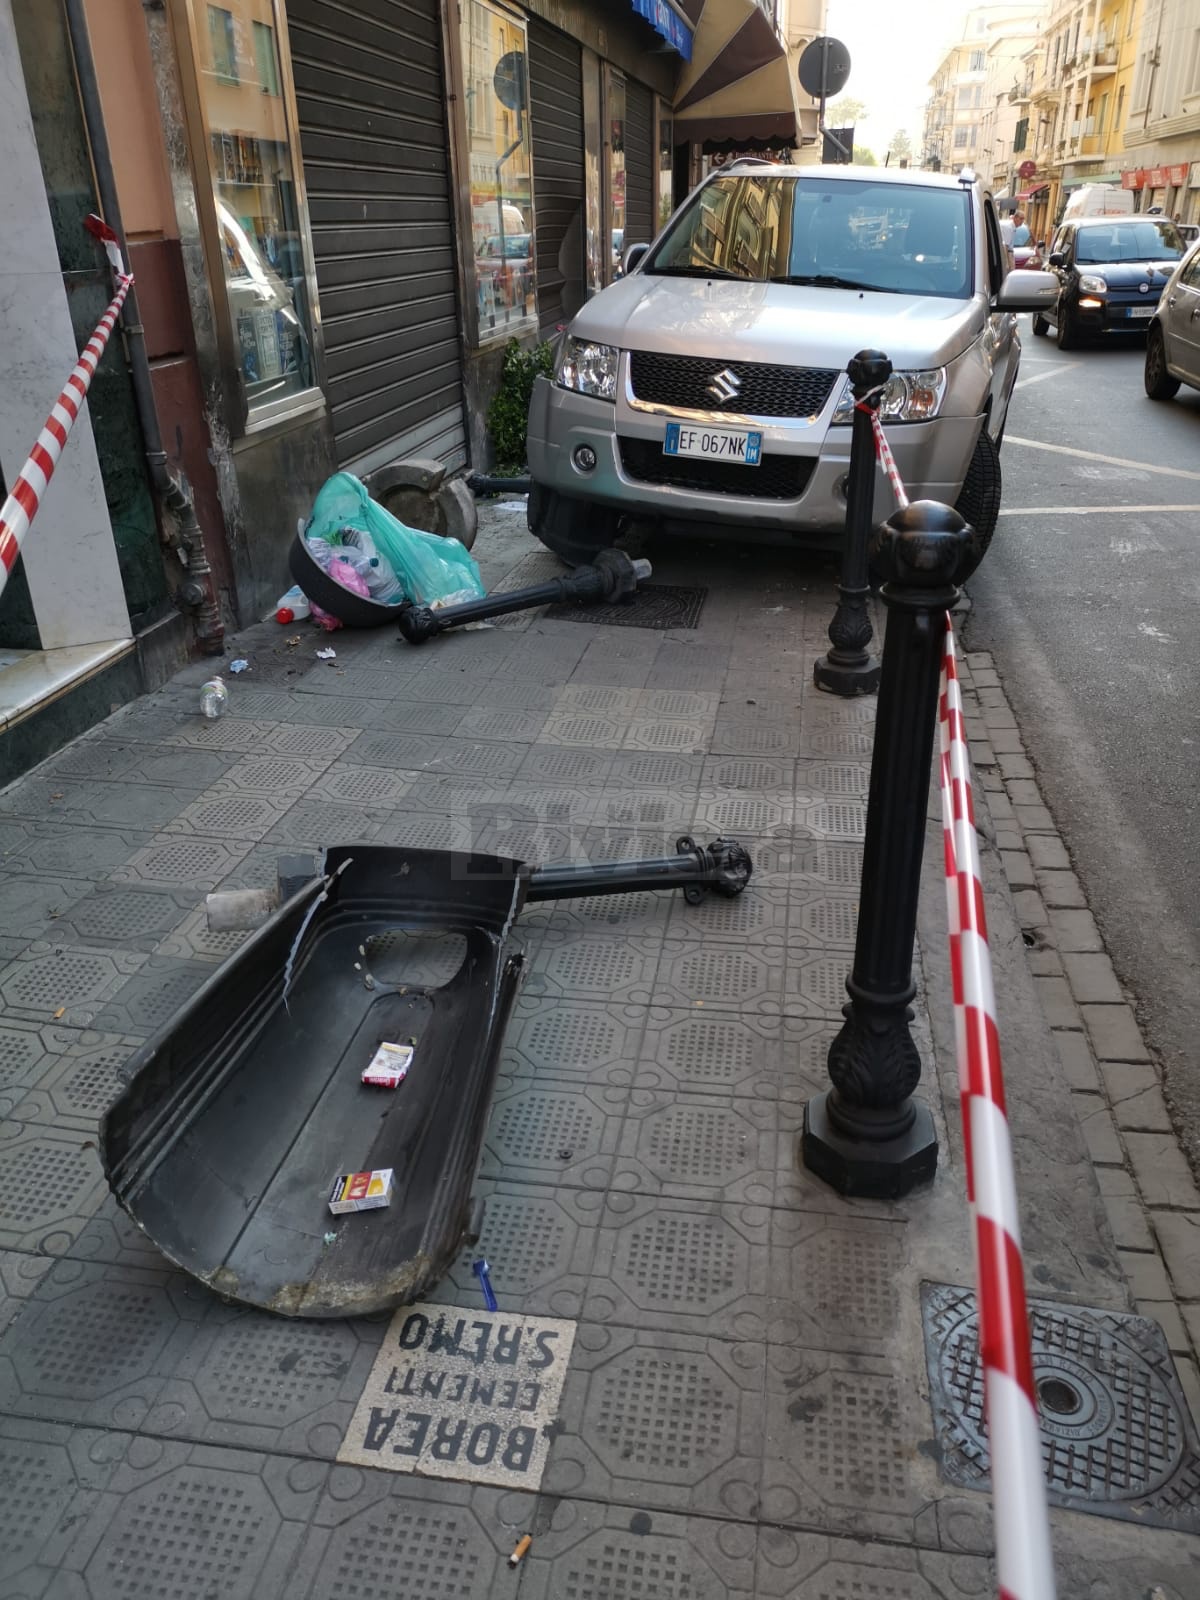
(907, 397)
(587, 368)
(1091, 284)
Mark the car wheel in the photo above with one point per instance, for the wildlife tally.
(1040, 326)
(979, 501)
(1067, 333)
(1160, 385)
(573, 529)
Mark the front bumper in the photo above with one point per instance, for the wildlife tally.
(1112, 317)
(932, 458)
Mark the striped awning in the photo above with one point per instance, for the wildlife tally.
(737, 91)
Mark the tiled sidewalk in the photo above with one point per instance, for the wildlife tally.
(747, 1409)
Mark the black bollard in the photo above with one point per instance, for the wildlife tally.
(613, 576)
(866, 1135)
(849, 668)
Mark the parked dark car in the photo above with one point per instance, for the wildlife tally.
(1111, 272)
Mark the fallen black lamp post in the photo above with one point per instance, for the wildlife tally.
(866, 1135)
(848, 668)
(613, 576)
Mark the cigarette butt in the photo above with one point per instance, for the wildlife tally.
(523, 1544)
(61, 1012)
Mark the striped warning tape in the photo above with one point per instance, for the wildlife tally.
(884, 451)
(1023, 1559)
(21, 506)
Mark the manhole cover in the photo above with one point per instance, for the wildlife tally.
(655, 605)
(1116, 1437)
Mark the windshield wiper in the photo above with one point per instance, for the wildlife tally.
(827, 280)
(700, 272)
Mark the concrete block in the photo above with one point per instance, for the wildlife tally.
(1179, 1239)
(1078, 1065)
(1114, 1033)
(1015, 767)
(1058, 1003)
(1074, 928)
(1035, 819)
(1018, 869)
(1099, 1134)
(1006, 741)
(1161, 1171)
(1146, 1274)
(1058, 888)
(1045, 963)
(1049, 853)
(1030, 911)
(1024, 792)
(1143, 1113)
(1092, 979)
(1166, 1314)
(1127, 1219)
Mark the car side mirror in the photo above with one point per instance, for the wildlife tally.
(1025, 290)
(633, 257)
(1057, 259)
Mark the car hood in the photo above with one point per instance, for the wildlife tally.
(1128, 274)
(778, 323)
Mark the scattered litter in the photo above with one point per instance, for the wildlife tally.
(292, 606)
(293, 641)
(326, 655)
(57, 795)
(61, 1012)
(240, 665)
(214, 697)
(361, 1191)
(482, 1271)
(388, 1067)
(329, 1237)
(511, 505)
(522, 1546)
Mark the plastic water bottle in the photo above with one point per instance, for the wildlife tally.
(292, 606)
(214, 697)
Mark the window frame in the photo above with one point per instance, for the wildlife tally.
(476, 338)
(247, 420)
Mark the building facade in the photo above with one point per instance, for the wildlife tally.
(964, 125)
(339, 213)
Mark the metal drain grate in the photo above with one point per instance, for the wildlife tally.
(655, 605)
(1116, 1437)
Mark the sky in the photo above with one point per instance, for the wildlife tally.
(894, 48)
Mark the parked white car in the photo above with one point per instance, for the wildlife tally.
(1173, 338)
(706, 392)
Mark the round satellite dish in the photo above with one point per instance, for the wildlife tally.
(509, 80)
(824, 68)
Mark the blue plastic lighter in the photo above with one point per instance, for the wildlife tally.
(482, 1270)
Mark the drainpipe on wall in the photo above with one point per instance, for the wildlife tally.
(197, 591)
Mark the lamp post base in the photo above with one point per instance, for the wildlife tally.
(884, 1168)
(846, 678)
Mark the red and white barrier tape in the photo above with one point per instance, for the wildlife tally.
(21, 506)
(884, 453)
(1023, 1559)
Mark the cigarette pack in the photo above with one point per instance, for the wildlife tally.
(389, 1066)
(361, 1191)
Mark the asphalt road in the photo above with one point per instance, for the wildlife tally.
(1090, 601)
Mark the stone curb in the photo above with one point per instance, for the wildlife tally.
(1149, 1194)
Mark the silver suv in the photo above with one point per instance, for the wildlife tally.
(707, 390)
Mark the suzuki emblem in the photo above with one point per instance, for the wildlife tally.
(725, 385)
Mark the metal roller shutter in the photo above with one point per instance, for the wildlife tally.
(369, 91)
(639, 163)
(556, 119)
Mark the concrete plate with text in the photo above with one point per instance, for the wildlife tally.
(462, 1394)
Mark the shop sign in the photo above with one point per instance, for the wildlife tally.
(1178, 174)
(1156, 177)
(1135, 179)
(1194, 179)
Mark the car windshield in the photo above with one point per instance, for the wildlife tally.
(1129, 241)
(838, 233)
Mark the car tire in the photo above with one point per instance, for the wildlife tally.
(1040, 326)
(1160, 385)
(979, 501)
(1067, 334)
(574, 530)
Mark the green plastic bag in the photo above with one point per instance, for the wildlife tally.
(433, 570)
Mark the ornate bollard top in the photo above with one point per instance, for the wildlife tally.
(869, 369)
(926, 547)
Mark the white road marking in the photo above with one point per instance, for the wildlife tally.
(1087, 511)
(1112, 461)
(1056, 368)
